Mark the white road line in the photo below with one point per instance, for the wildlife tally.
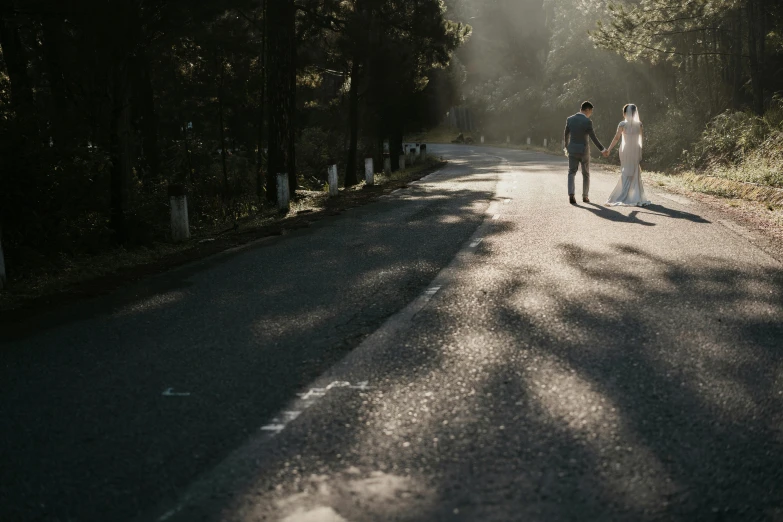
(169, 392)
(291, 415)
(168, 514)
(312, 393)
(495, 217)
(506, 201)
(476, 242)
(306, 400)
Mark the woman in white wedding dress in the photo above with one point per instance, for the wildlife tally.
(630, 189)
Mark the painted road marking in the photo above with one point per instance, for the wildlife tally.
(277, 428)
(431, 291)
(171, 513)
(306, 400)
(169, 392)
(312, 393)
(291, 415)
(506, 201)
(495, 217)
(476, 242)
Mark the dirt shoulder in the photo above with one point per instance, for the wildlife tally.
(102, 274)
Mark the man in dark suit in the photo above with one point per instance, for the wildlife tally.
(578, 128)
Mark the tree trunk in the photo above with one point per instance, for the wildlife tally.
(121, 148)
(755, 24)
(148, 124)
(736, 97)
(222, 134)
(293, 183)
(353, 115)
(52, 40)
(3, 278)
(281, 15)
(188, 153)
(378, 156)
(395, 148)
(22, 98)
(262, 106)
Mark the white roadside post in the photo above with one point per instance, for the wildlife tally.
(178, 200)
(334, 190)
(482, 140)
(544, 142)
(2, 263)
(528, 141)
(369, 173)
(283, 193)
(508, 140)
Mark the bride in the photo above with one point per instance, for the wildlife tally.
(629, 189)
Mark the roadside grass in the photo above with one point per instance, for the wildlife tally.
(49, 282)
(759, 205)
(723, 187)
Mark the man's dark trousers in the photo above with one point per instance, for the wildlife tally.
(574, 160)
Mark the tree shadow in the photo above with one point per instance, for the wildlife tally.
(631, 398)
(88, 434)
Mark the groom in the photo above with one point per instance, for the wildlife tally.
(579, 127)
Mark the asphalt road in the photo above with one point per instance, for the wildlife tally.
(471, 348)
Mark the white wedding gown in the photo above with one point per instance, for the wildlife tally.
(630, 189)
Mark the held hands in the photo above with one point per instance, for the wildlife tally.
(605, 153)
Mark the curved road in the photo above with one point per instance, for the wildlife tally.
(470, 348)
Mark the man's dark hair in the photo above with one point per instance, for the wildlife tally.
(587, 106)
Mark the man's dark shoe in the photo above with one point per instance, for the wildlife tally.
(585, 199)
(572, 199)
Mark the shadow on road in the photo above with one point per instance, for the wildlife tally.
(87, 434)
(611, 214)
(652, 393)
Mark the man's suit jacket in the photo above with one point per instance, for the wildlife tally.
(578, 128)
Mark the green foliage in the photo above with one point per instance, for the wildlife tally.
(104, 104)
(736, 136)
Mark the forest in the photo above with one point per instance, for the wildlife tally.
(709, 69)
(105, 104)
